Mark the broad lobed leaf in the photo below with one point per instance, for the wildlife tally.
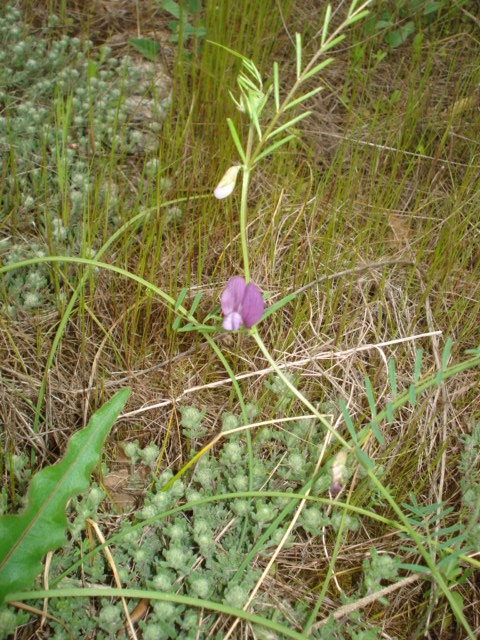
(25, 538)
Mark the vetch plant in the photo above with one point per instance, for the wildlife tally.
(203, 544)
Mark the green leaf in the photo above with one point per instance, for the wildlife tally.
(377, 433)
(348, 420)
(290, 123)
(195, 302)
(418, 365)
(276, 86)
(274, 146)
(180, 299)
(431, 7)
(303, 98)
(326, 22)
(25, 538)
(298, 51)
(416, 568)
(334, 42)
(389, 410)
(412, 394)
(398, 37)
(370, 398)
(317, 68)
(236, 140)
(391, 375)
(364, 460)
(446, 353)
(173, 8)
(356, 18)
(148, 48)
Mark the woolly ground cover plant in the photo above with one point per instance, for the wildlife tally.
(224, 528)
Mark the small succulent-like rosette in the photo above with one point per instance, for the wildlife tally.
(241, 304)
(227, 183)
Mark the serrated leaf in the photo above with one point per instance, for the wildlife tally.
(25, 538)
(148, 48)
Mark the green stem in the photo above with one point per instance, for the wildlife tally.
(243, 204)
(296, 392)
(243, 222)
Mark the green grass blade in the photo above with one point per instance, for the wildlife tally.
(26, 538)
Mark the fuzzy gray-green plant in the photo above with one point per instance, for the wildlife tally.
(66, 111)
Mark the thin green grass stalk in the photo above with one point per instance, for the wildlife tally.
(295, 391)
(326, 581)
(69, 309)
(139, 594)
(295, 497)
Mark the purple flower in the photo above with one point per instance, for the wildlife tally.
(241, 304)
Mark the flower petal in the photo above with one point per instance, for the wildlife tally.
(252, 305)
(232, 321)
(232, 297)
(227, 183)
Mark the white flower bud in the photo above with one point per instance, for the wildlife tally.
(227, 183)
(338, 472)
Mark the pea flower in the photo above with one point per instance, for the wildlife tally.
(227, 183)
(241, 304)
